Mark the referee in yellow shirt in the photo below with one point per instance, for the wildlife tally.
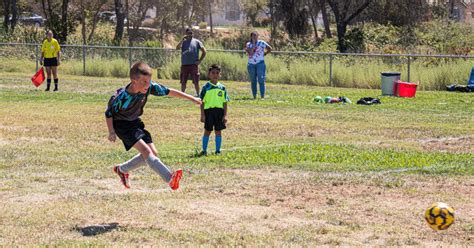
(51, 53)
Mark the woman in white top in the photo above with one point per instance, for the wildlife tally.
(256, 50)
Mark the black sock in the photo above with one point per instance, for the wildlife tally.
(56, 80)
(48, 83)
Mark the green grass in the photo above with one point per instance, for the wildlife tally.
(292, 172)
(302, 134)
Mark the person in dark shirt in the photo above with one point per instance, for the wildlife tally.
(190, 59)
(123, 120)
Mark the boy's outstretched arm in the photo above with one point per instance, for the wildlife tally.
(182, 95)
(110, 126)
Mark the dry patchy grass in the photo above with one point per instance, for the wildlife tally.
(234, 207)
(57, 188)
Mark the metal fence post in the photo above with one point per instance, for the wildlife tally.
(330, 69)
(130, 57)
(408, 68)
(36, 55)
(325, 69)
(83, 60)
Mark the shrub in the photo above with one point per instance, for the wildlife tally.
(265, 21)
(119, 68)
(151, 43)
(203, 25)
(97, 67)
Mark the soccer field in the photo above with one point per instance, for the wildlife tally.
(292, 172)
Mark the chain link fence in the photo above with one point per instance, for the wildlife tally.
(311, 68)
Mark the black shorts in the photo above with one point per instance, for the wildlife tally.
(130, 132)
(214, 119)
(50, 62)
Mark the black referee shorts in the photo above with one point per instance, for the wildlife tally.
(50, 61)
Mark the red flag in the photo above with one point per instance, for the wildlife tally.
(38, 78)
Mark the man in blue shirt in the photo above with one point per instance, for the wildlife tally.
(190, 59)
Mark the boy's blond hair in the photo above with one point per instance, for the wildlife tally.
(139, 68)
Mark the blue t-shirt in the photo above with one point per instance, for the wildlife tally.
(129, 107)
(190, 51)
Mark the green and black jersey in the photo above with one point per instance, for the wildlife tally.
(126, 106)
(214, 95)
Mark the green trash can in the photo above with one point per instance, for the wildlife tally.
(388, 81)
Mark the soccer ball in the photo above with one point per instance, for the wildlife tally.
(439, 216)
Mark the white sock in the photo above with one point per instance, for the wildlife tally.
(132, 164)
(158, 166)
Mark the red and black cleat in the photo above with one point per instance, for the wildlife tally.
(123, 177)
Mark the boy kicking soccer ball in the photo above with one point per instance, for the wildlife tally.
(123, 120)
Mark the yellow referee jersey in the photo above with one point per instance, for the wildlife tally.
(50, 49)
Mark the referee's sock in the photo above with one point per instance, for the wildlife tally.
(56, 81)
(48, 84)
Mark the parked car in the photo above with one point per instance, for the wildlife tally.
(114, 20)
(108, 16)
(28, 18)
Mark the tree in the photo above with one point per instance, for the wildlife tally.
(271, 6)
(277, 14)
(89, 15)
(166, 18)
(252, 8)
(58, 19)
(136, 11)
(398, 13)
(187, 10)
(451, 9)
(313, 12)
(294, 14)
(211, 24)
(10, 7)
(178, 14)
(64, 19)
(322, 6)
(193, 9)
(345, 11)
(120, 21)
(439, 11)
(83, 22)
(14, 7)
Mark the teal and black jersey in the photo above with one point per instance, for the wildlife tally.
(125, 106)
(214, 95)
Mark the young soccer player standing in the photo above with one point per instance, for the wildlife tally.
(213, 108)
(123, 120)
